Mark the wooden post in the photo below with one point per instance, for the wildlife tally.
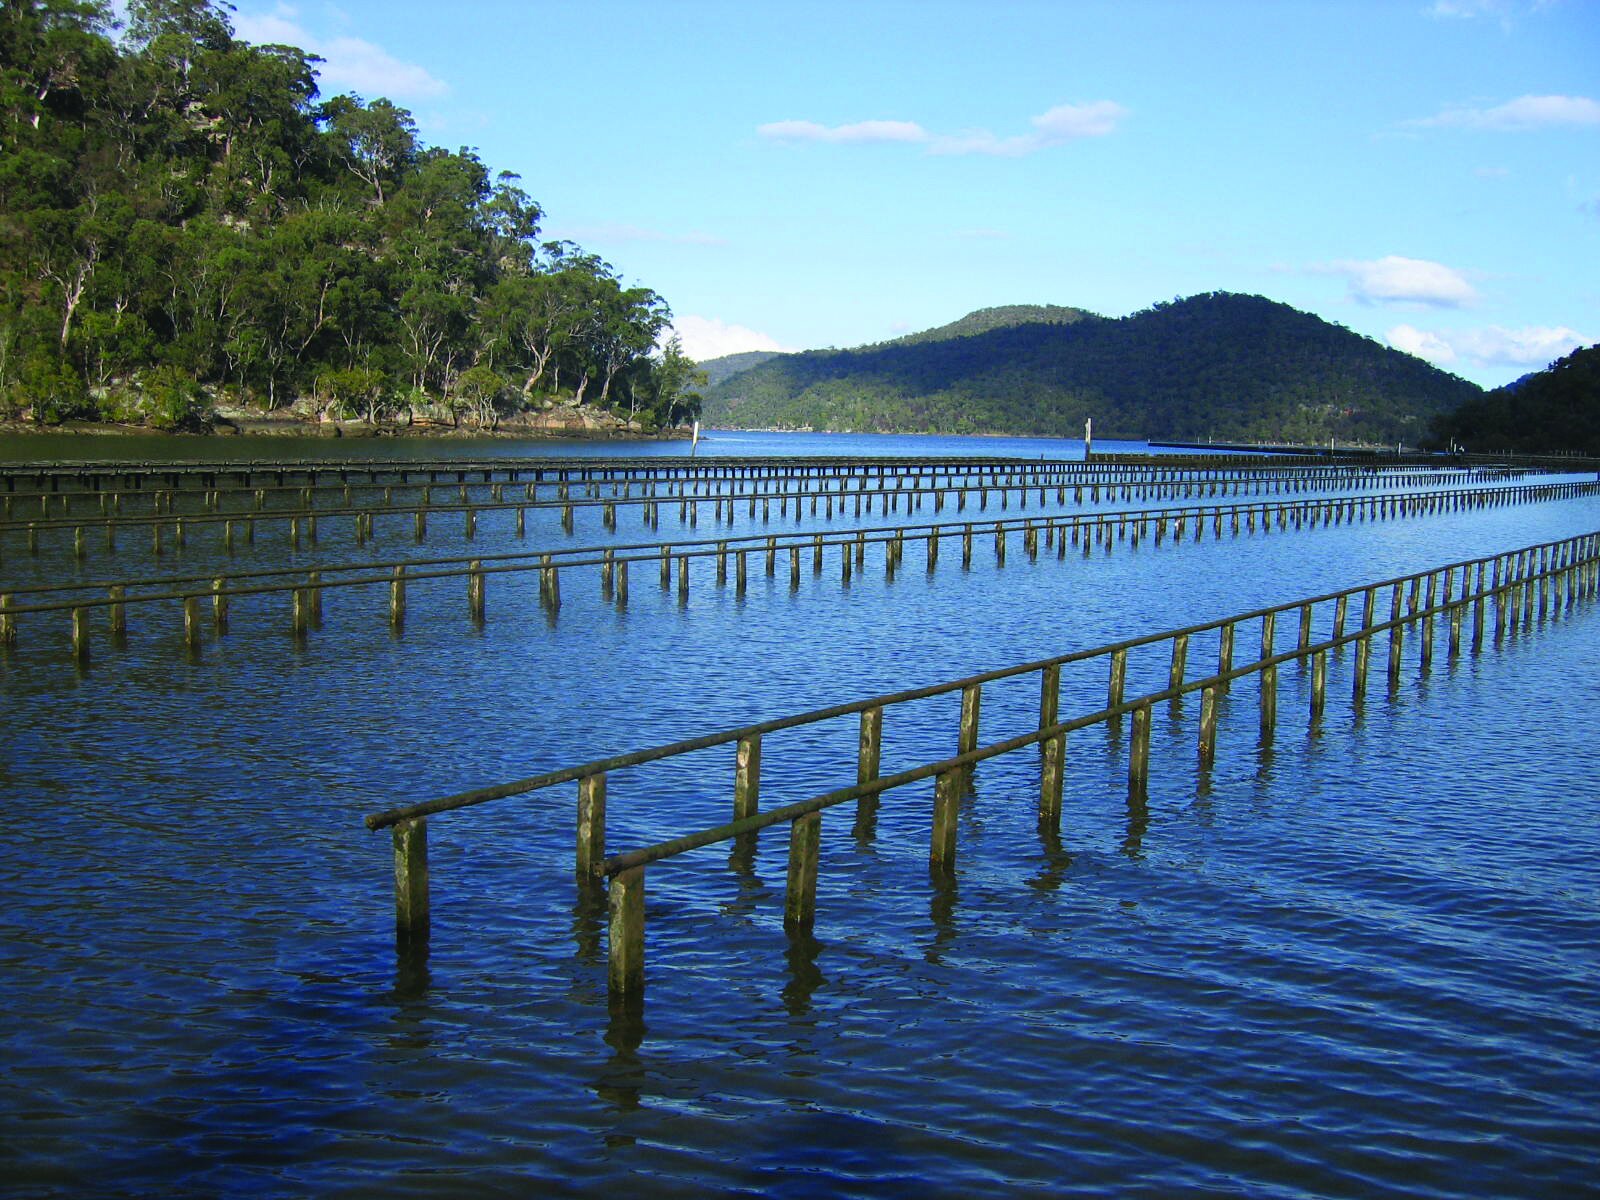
(397, 597)
(1052, 774)
(475, 589)
(191, 621)
(1339, 607)
(971, 701)
(1139, 753)
(1305, 627)
(1118, 677)
(1049, 695)
(118, 612)
(1269, 703)
(1269, 624)
(683, 577)
(1363, 653)
(805, 846)
(1208, 727)
(622, 583)
(1180, 661)
(946, 800)
(1225, 656)
(591, 825)
(411, 883)
(1319, 683)
(747, 777)
(625, 976)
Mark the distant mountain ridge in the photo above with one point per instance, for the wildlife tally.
(982, 320)
(1220, 364)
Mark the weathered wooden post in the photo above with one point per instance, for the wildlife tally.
(1305, 628)
(1118, 677)
(118, 612)
(397, 597)
(1180, 662)
(411, 885)
(622, 583)
(191, 621)
(1358, 688)
(1139, 753)
(591, 825)
(475, 589)
(1339, 608)
(625, 976)
(946, 802)
(1225, 656)
(966, 547)
(805, 846)
(1208, 727)
(747, 777)
(1319, 684)
(1269, 703)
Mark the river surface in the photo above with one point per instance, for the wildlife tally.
(1361, 962)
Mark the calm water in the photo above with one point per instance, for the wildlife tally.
(1361, 963)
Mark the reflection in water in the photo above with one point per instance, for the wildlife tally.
(1057, 860)
(621, 1080)
(1138, 823)
(941, 912)
(590, 914)
(752, 889)
(804, 974)
(411, 978)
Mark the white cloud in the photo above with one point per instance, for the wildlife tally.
(350, 63)
(1494, 345)
(1397, 280)
(705, 338)
(1519, 115)
(1061, 124)
(1421, 343)
(858, 133)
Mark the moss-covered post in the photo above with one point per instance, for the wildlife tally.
(625, 974)
(591, 845)
(1117, 678)
(946, 803)
(805, 846)
(1225, 656)
(397, 597)
(1180, 663)
(1319, 684)
(747, 777)
(411, 885)
(1139, 753)
(1208, 727)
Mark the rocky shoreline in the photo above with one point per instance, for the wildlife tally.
(558, 423)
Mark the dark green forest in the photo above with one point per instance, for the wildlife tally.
(185, 222)
(1221, 365)
(1554, 411)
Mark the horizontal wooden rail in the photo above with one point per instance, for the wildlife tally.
(1089, 529)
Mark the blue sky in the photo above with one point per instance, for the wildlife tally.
(801, 175)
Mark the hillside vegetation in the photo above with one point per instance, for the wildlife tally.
(184, 220)
(1556, 410)
(1216, 365)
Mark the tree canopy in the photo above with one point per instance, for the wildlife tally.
(181, 206)
(1554, 411)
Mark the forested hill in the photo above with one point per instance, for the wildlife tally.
(984, 319)
(1222, 365)
(184, 220)
(1556, 410)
